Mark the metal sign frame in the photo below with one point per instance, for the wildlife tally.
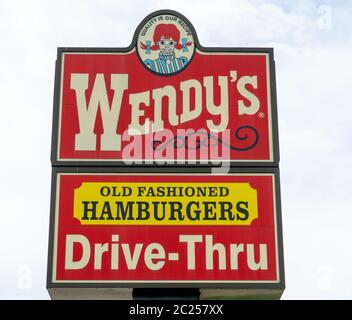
(279, 285)
(272, 124)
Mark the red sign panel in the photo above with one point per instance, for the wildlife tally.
(166, 100)
(118, 228)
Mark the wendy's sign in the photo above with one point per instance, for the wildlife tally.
(164, 100)
(112, 229)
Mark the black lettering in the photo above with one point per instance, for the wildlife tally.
(105, 191)
(226, 207)
(106, 211)
(87, 210)
(189, 191)
(223, 191)
(141, 190)
(189, 211)
(212, 192)
(160, 191)
(150, 192)
(242, 208)
(201, 192)
(124, 211)
(176, 207)
(171, 192)
(126, 191)
(156, 210)
(209, 214)
(115, 193)
(143, 208)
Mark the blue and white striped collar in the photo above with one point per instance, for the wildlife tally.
(170, 56)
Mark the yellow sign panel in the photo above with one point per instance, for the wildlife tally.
(142, 203)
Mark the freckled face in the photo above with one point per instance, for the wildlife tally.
(166, 46)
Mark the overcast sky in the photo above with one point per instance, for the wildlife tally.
(312, 42)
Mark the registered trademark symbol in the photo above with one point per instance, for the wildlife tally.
(261, 115)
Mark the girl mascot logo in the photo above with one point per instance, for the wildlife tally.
(165, 48)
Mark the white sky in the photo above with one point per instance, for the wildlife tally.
(313, 46)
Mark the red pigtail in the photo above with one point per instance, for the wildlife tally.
(179, 46)
(168, 31)
(153, 47)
